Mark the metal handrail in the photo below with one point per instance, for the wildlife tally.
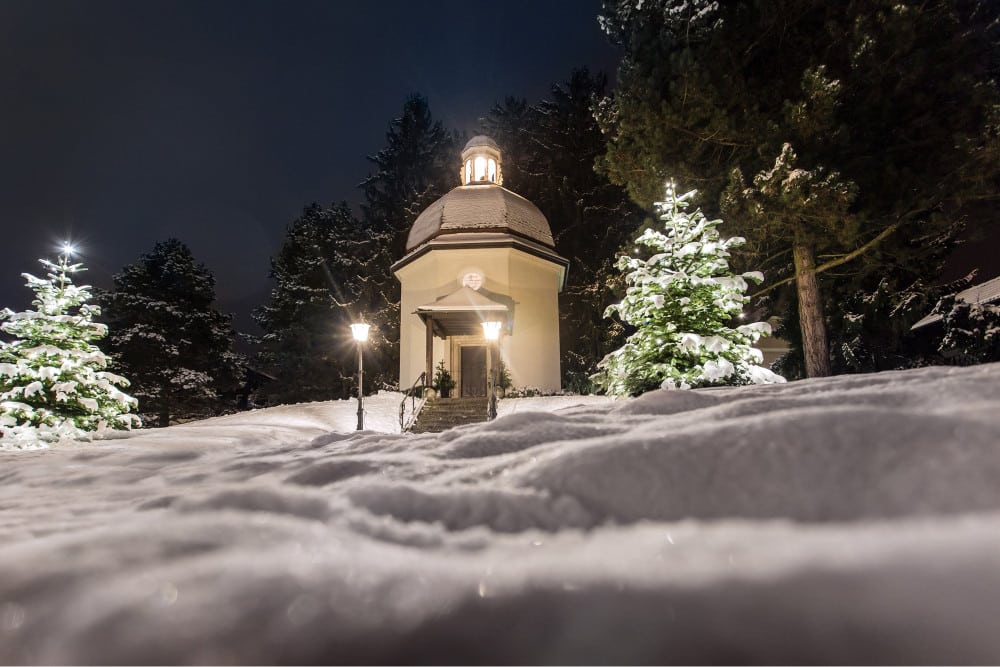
(412, 395)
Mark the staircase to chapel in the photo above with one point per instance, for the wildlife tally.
(441, 414)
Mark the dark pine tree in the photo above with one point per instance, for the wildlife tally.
(550, 150)
(417, 166)
(322, 285)
(166, 337)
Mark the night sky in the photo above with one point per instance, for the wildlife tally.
(126, 122)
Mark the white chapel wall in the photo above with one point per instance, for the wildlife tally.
(531, 353)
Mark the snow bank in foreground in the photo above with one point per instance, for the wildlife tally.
(852, 519)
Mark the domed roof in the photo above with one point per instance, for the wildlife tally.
(481, 140)
(480, 208)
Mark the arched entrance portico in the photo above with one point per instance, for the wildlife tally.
(457, 318)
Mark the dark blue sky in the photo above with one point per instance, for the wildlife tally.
(125, 122)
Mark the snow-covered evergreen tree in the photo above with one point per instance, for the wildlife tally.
(682, 300)
(591, 218)
(323, 283)
(167, 337)
(53, 382)
(416, 166)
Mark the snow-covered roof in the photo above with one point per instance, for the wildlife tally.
(486, 208)
(986, 292)
(481, 140)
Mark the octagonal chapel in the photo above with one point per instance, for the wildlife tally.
(480, 253)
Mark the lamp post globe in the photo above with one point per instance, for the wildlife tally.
(360, 332)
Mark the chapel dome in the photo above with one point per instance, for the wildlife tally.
(480, 208)
(480, 203)
(481, 140)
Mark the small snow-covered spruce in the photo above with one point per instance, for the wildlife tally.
(681, 300)
(52, 379)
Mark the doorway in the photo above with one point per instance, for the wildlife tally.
(473, 370)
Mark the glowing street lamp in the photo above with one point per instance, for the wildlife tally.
(360, 333)
(491, 331)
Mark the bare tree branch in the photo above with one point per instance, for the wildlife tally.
(857, 252)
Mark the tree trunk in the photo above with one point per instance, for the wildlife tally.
(814, 345)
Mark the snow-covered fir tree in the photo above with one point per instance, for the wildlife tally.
(53, 382)
(323, 283)
(416, 167)
(167, 337)
(682, 301)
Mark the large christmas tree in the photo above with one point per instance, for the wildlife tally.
(682, 301)
(53, 382)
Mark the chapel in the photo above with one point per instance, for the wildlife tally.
(481, 254)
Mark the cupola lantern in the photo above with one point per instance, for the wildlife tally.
(481, 162)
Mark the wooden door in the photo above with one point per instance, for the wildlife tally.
(473, 370)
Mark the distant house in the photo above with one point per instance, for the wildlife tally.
(480, 253)
(965, 327)
(248, 397)
(983, 293)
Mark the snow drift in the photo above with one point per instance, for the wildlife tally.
(845, 520)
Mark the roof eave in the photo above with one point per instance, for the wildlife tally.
(505, 239)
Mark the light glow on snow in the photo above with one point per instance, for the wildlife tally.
(853, 519)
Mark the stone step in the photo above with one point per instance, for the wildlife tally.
(441, 414)
(457, 413)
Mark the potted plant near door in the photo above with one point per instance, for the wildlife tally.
(503, 379)
(443, 382)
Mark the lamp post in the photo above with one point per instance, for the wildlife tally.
(360, 333)
(491, 330)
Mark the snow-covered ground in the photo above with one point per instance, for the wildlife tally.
(848, 520)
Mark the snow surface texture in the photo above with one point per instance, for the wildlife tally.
(847, 520)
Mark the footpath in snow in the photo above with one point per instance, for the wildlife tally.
(854, 519)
